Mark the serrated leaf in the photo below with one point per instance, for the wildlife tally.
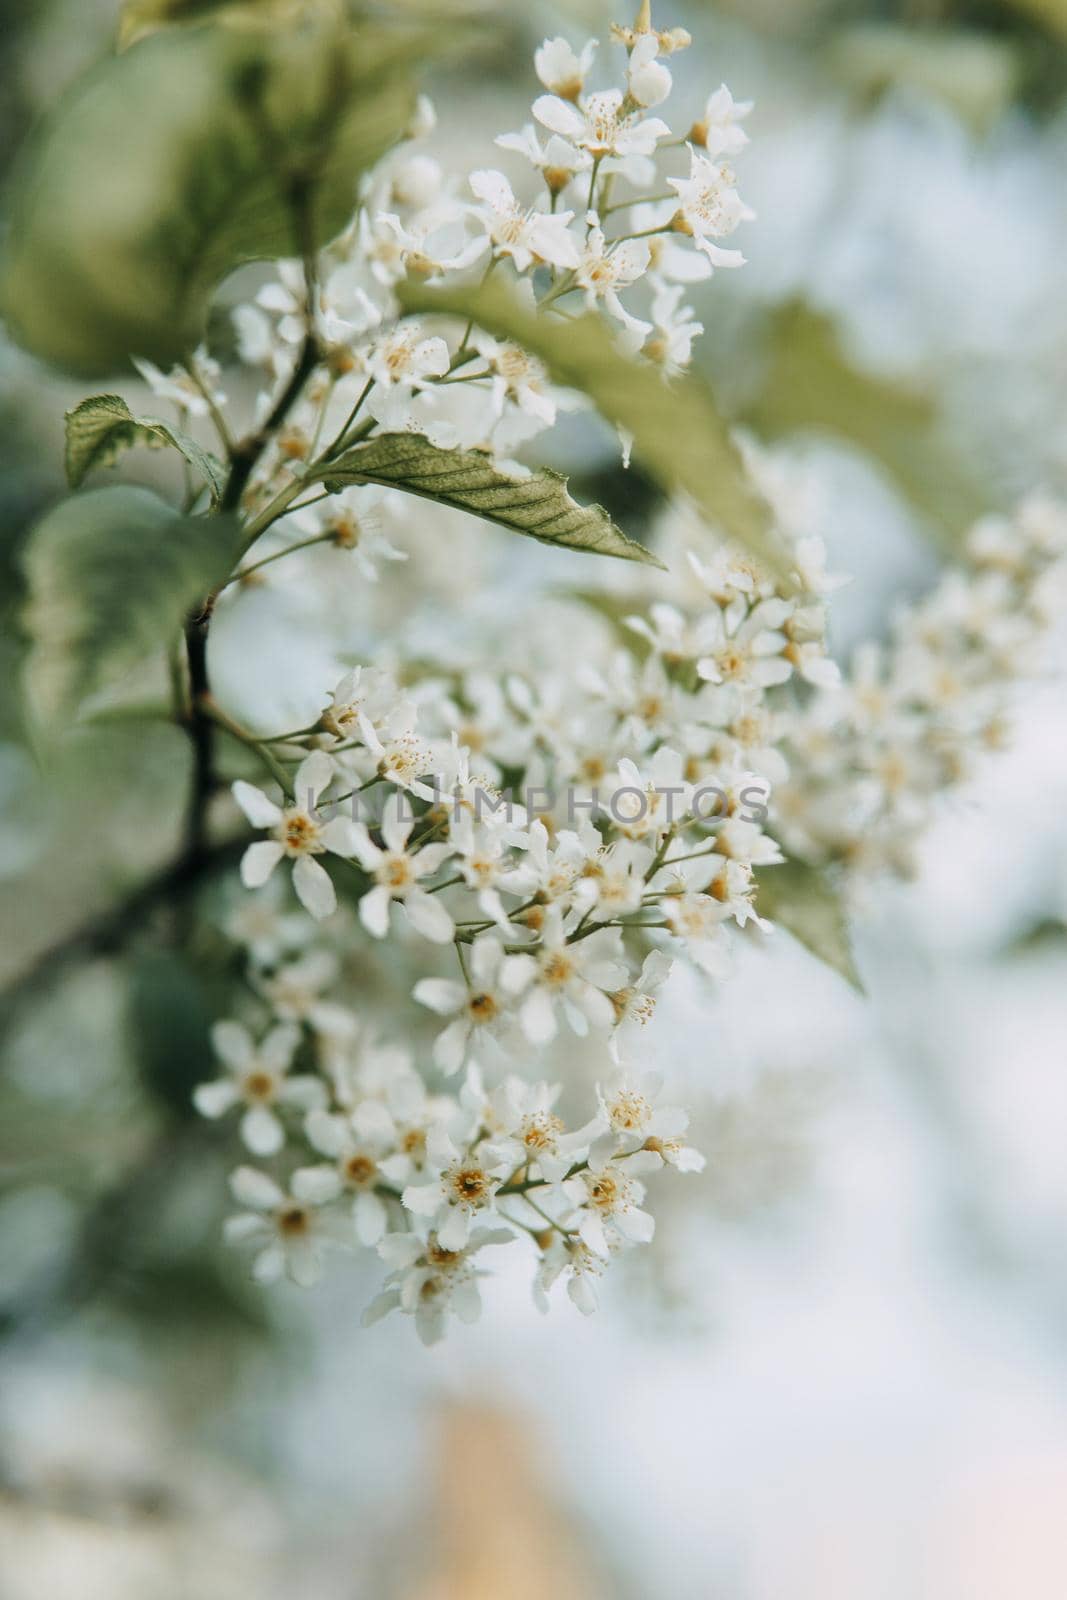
(680, 436)
(804, 900)
(111, 575)
(100, 428)
(167, 166)
(538, 505)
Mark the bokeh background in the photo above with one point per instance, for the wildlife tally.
(842, 1370)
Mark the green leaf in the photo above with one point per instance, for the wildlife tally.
(680, 436)
(111, 575)
(100, 428)
(168, 166)
(537, 505)
(810, 383)
(804, 900)
(140, 17)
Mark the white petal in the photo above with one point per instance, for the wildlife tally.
(398, 819)
(429, 917)
(450, 1047)
(250, 1187)
(258, 862)
(466, 1302)
(260, 810)
(269, 1264)
(551, 112)
(370, 1218)
(326, 1133)
(423, 1199)
(314, 888)
(232, 1044)
(538, 1018)
(374, 912)
(303, 1090)
(442, 995)
(340, 836)
(215, 1099)
(312, 777)
(313, 1186)
(278, 1047)
(494, 189)
(455, 1230)
(303, 1264)
(262, 1132)
(636, 1225)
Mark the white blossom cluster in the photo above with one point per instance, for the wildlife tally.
(599, 221)
(914, 715)
(427, 1179)
(535, 845)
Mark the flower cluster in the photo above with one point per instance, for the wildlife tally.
(533, 843)
(372, 1159)
(914, 715)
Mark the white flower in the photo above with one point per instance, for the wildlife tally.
(261, 923)
(403, 359)
(648, 80)
(483, 862)
(635, 1003)
(613, 884)
(399, 754)
(426, 247)
(633, 1120)
(351, 523)
(428, 1280)
(180, 386)
(601, 126)
(517, 377)
(548, 871)
(258, 1078)
(297, 833)
(478, 1009)
(462, 1188)
(367, 695)
(607, 1198)
(709, 208)
(573, 977)
(359, 1145)
(527, 236)
(645, 804)
(528, 1135)
(397, 873)
(569, 1254)
(290, 1230)
(602, 272)
(294, 993)
(556, 161)
(560, 70)
(809, 561)
(674, 327)
(717, 131)
(697, 919)
(746, 647)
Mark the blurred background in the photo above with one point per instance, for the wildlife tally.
(842, 1370)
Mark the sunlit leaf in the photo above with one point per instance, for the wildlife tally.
(140, 17)
(537, 505)
(100, 428)
(111, 576)
(804, 900)
(681, 438)
(810, 384)
(168, 166)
